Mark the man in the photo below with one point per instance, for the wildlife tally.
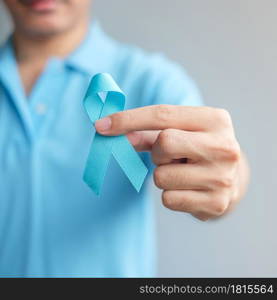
(51, 223)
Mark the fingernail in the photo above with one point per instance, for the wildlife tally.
(103, 125)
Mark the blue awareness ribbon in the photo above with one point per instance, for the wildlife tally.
(103, 147)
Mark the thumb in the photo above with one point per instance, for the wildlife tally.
(143, 140)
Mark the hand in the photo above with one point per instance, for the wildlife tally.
(199, 163)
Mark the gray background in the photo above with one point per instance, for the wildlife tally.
(229, 47)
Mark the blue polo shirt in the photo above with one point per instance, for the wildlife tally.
(51, 223)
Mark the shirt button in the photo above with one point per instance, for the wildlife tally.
(41, 109)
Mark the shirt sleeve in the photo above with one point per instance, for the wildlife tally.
(170, 84)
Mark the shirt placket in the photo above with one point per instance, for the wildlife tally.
(43, 103)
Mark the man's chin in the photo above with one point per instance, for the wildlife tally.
(43, 33)
(42, 29)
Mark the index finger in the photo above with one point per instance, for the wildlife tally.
(156, 117)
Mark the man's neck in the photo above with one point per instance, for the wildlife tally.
(32, 53)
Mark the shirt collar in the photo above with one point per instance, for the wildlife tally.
(94, 54)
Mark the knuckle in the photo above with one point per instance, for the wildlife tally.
(220, 205)
(165, 140)
(203, 218)
(222, 117)
(167, 199)
(232, 151)
(121, 119)
(163, 113)
(224, 181)
(229, 149)
(159, 177)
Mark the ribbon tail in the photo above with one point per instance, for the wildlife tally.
(129, 161)
(97, 162)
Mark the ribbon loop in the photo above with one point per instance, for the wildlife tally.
(103, 147)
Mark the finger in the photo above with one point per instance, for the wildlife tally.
(202, 216)
(143, 140)
(158, 117)
(190, 201)
(183, 177)
(175, 144)
(203, 205)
